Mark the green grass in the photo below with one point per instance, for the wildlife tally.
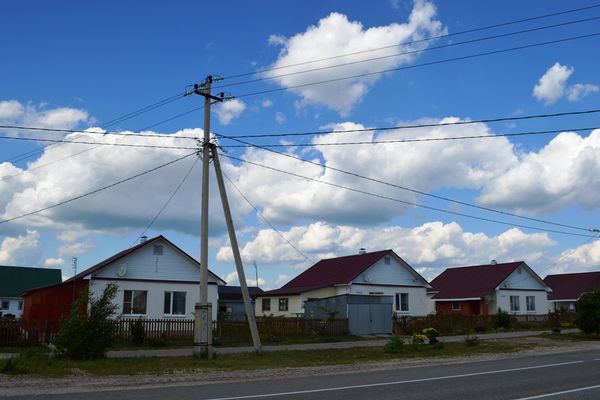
(573, 337)
(40, 363)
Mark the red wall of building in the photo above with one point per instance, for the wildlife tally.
(475, 307)
(51, 303)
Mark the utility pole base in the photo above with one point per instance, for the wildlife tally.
(203, 326)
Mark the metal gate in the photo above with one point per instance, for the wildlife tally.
(369, 319)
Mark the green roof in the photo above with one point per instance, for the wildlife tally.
(14, 280)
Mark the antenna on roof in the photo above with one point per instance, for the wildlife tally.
(493, 262)
(362, 250)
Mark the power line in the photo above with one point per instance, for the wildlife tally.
(265, 220)
(413, 140)
(96, 143)
(167, 202)
(379, 181)
(96, 190)
(412, 204)
(461, 58)
(443, 46)
(115, 133)
(417, 41)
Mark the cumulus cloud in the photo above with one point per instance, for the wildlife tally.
(227, 111)
(565, 171)
(23, 250)
(266, 103)
(119, 209)
(54, 262)
(553, 85)
(12, 112)
(429, 247)
(280, 118)
(336, 35)
(466, 164)
(74, 249)
(232, 280)
(584, 258)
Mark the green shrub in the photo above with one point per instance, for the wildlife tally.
(395, 345)
(503, 319)
(136, 329)
(85, 336)
(588, 312)
(431, 334)
(418, 338)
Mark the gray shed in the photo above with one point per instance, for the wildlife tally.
(367, 314)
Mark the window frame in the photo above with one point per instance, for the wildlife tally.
(3, 302)
(402, 306)
(284, 304)
(515, 305)
(171, 305)
(527, 303)
(455, 308)
(266, 304)
(131, 302)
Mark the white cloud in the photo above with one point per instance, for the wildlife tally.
(280, 117)
(565, 171)
(14, 113)
(227, 111)
(336, 35)
(581, 90)
(551, 86)
(232, 280)
(74, 249)
(584, 258)
(431, 246)
(284, 199)
(23, 250)
(54, 262)
(266, 103)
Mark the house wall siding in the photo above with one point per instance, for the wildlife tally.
(395, 273)
(52, 303)
(418, 303)
(523, 280)
(294, 306)
(156, 295)
(541, 301)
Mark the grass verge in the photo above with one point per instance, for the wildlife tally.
(41, 363)
(573, 337)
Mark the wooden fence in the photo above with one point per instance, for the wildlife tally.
(163, 331)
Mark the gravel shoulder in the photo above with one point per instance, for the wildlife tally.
(80, 382)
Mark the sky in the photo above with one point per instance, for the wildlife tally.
(319, 100)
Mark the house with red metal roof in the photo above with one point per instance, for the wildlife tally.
(156, 279)
(381, 273)
(484, 289)
(568, 288)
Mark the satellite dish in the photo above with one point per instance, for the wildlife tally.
(367, 278)
(122, 271)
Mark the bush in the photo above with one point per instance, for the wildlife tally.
(395, 345)
(588, 313)
(431, 334)
(418, 338)
(85, 336)
(503, 319)
(471, 341)
(136, 329)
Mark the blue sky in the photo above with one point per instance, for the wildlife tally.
(78, 66)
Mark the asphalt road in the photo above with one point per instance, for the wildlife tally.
(565, 376)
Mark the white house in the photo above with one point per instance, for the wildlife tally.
(14, 280)
(376, 273)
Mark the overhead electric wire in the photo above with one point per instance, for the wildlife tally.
(96, 190)
(443, 46)
(415, 41)
(409, 203)
(379, 181)
(168, 201)
(114, 133)
(95, 143)
(410, 140)
(265, 220)
(437, 62)
(415, 126)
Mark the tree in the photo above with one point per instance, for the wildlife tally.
(86, 336)
(588, 312)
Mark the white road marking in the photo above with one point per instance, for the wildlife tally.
(437, 378)
(541, 396)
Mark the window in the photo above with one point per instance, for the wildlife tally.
(387, 260)
(401, 301)
(456, 306)
(530, 303)
(174, 303)
(4, 305)
(514, 303)
(283, 304)
(134, 301)
(158, 250)
(20, 305)
(266, 304)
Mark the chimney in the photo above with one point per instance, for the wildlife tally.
(362, 250)
(143, 239)
(493, 262)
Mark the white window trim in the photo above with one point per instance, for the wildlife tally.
(171, 315)
(137, 315)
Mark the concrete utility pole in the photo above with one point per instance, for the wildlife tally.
(203, 310)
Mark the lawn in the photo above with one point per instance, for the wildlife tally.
(38, 362)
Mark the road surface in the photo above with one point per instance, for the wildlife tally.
(565, 376)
